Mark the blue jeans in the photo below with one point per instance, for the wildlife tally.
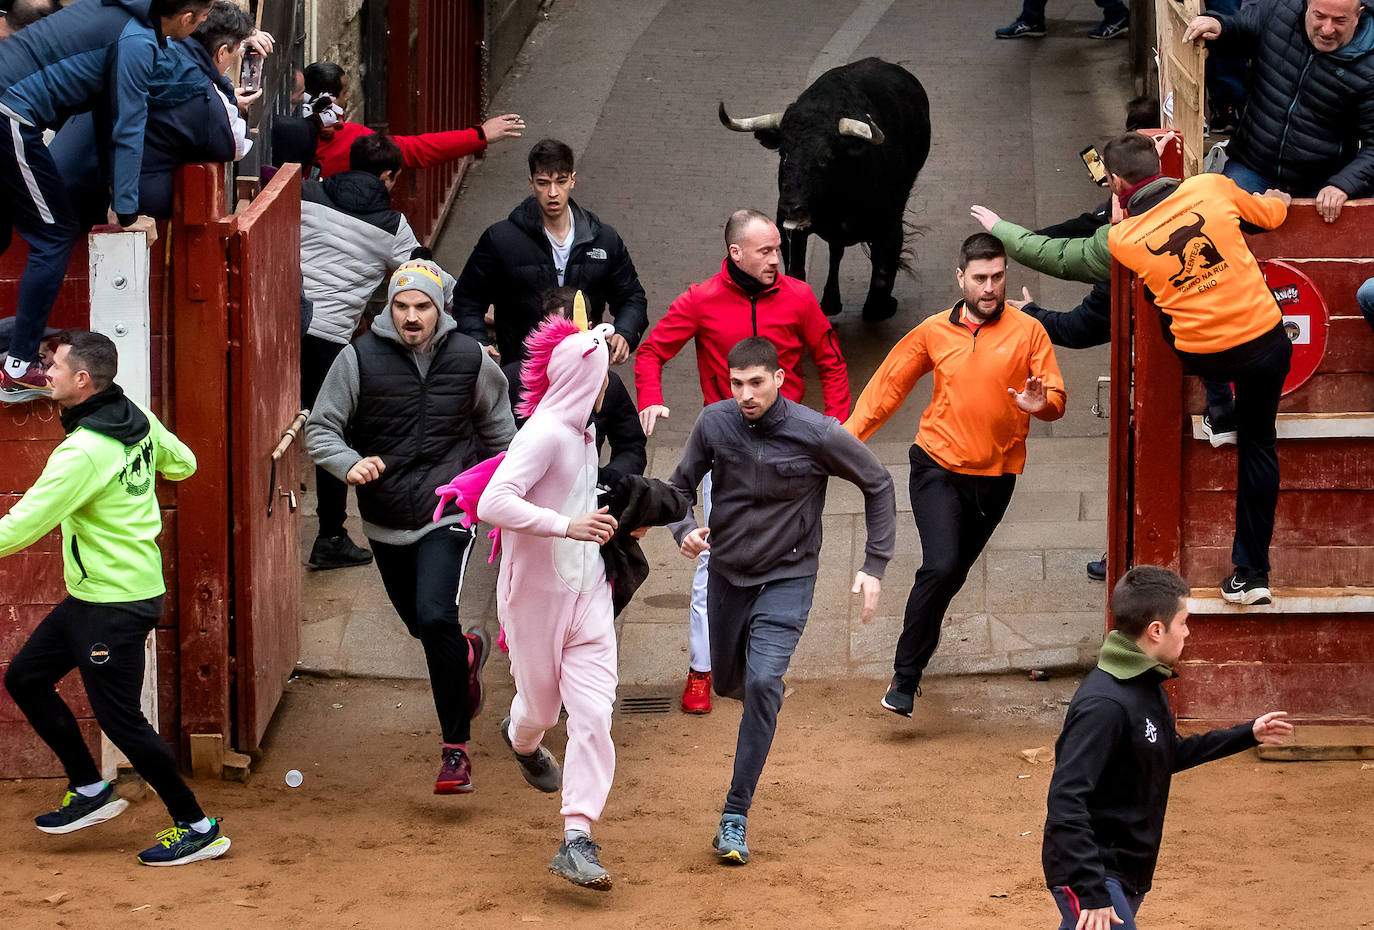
(1033, 11)
(1248, 179)
(754, 631)
(1125, 905)
(34, 201)
(1365, 295)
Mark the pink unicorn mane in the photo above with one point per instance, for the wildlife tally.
(534, 371)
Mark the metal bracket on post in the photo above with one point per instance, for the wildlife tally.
(119, 266)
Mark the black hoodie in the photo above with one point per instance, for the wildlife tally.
(512, 266)
(109, 413)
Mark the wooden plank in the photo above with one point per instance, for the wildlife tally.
(1302, 427)
(1287, 601)
(1242, 689)
(1309, 465)
(1303, 518)
(1310, 638)
(264, 258)
(1325, 753)
(26, 756)
(201, 386)
(1159, 442)
(1306, 566)
(1304, 234)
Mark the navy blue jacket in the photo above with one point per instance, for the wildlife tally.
(1309, 119)
(68, 62)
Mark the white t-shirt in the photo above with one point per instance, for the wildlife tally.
(561, 250)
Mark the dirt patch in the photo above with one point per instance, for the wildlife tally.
(862, 819)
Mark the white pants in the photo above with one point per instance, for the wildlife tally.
(699, 636)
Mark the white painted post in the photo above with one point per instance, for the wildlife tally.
(119, 309)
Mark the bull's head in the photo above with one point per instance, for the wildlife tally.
(807, 148)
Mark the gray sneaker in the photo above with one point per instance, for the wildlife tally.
(729, 842)
(539, 767)
(576, 861)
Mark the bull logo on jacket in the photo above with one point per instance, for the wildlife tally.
(1193, 248)
(137, 474)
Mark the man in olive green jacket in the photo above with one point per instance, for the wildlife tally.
(98, 485)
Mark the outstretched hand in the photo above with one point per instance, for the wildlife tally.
(985, 217)
(1271, 728)
(505, 126)
(1026, 298)
(1034, 398)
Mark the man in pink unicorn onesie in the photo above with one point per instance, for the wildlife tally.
(552, 594)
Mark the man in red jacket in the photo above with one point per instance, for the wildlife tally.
(748, 297)
(326, 96)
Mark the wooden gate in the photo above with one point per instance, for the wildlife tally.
(264, 292)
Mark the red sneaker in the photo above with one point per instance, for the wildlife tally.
(479, 648)
(31, 385)
(696, 697)
(455, 772)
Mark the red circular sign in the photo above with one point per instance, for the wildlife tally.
(1304, 319)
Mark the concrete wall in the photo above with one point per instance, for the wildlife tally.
(333, 30)
(508, 24)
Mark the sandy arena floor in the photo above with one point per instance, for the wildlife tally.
(862, 820)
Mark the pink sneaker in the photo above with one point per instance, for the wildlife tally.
(31, 385)
(455, 772)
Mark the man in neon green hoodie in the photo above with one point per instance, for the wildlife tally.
(98, 485)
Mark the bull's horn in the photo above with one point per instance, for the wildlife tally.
(753, 124)
(861, 130)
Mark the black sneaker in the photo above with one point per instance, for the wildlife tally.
(1114, 30)
(78, 811)
(1097, 571)
(181, 844)
(539, 767)
(1021, 30)
(1247, 588)
(898, 701)
(337, 552)
(1219, 432)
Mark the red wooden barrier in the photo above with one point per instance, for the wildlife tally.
(216, 672)
(435, 83)
(1172, 498)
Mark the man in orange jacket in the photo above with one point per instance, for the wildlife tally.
(994, 369)
(750, 296)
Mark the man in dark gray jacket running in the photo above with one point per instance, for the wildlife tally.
(769, 460)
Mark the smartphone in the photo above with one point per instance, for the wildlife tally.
(1093, 162)
(250, 76)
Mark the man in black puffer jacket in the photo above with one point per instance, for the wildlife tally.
(1308, 125)
(546, 242)
(404, 408)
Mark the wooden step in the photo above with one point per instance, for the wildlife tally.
(1313, 426)
(1205, 601)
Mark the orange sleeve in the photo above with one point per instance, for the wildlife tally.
(891, 383)
(1044, 365)
(1266, 212)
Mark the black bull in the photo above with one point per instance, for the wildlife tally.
(850, 148)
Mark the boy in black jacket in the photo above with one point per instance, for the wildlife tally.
(1117, 754)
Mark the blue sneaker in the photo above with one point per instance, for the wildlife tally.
(1021, 30)
(78, 811)
(729, 842)
(1106, 30)
(181, 844)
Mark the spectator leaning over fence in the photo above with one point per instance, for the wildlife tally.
(1308, 124)
(61, 65)
(994, 369)
(326, 99)
(749, 296)
(549, 241)
(351, 239)
(194, 115)
(615, 418)
(99, 485)
(1117, 754)
(407, 406)
(1184, 239)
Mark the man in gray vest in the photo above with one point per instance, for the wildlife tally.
(403, 409)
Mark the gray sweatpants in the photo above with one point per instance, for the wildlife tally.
(754, 631)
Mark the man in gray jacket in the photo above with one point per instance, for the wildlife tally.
(403, 409)
(769, 459)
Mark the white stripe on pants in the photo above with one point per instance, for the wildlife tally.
(699, 635)
(29, 180)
